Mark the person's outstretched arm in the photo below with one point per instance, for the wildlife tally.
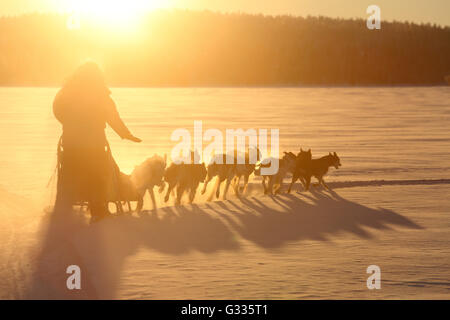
(114, 120)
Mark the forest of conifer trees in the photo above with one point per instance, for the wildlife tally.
(189, 48)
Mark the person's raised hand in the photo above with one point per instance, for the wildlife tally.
(134, 139)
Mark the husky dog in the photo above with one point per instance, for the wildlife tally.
(184, 178)
(275, 181)
(244, 170)
(303, 160)
(147, 175)
(319, 168)
(223, 170)
(232, 171)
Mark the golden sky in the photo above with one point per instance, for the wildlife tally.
(434, 11)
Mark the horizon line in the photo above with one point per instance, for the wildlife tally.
(67, 12)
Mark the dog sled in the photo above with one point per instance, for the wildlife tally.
(121, 192)
(126, 195)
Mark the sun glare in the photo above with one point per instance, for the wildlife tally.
(117, 14)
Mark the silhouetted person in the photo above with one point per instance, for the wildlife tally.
(86, 169)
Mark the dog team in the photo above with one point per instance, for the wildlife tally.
(185, 178)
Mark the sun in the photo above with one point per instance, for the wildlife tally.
(119, 14)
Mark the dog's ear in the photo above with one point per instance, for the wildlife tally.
(309, 151)
(335, 154)
(301, 149)
(330, 154)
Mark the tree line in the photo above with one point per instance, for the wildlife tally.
(203, 48)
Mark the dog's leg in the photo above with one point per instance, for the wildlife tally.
(321, 181)
(180, 192)
(162, 187)
(316, 185)
(307, 182)
(227, 185)
(279, 183)
(119, 207)
(216, 185)
(278, 189)
(140, 204)
(221, 179)
(236, 182)
(152, 197)
(169, 190)
(303, 181)
(264, 184)
(205, 183)
(270, 185)
(193, 191)
(191, 196)
(244, 190)
(275, 184)
(295, 177)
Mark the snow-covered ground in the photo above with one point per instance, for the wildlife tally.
(389, 206)
(304, 245)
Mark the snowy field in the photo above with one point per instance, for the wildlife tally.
(389, 205)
